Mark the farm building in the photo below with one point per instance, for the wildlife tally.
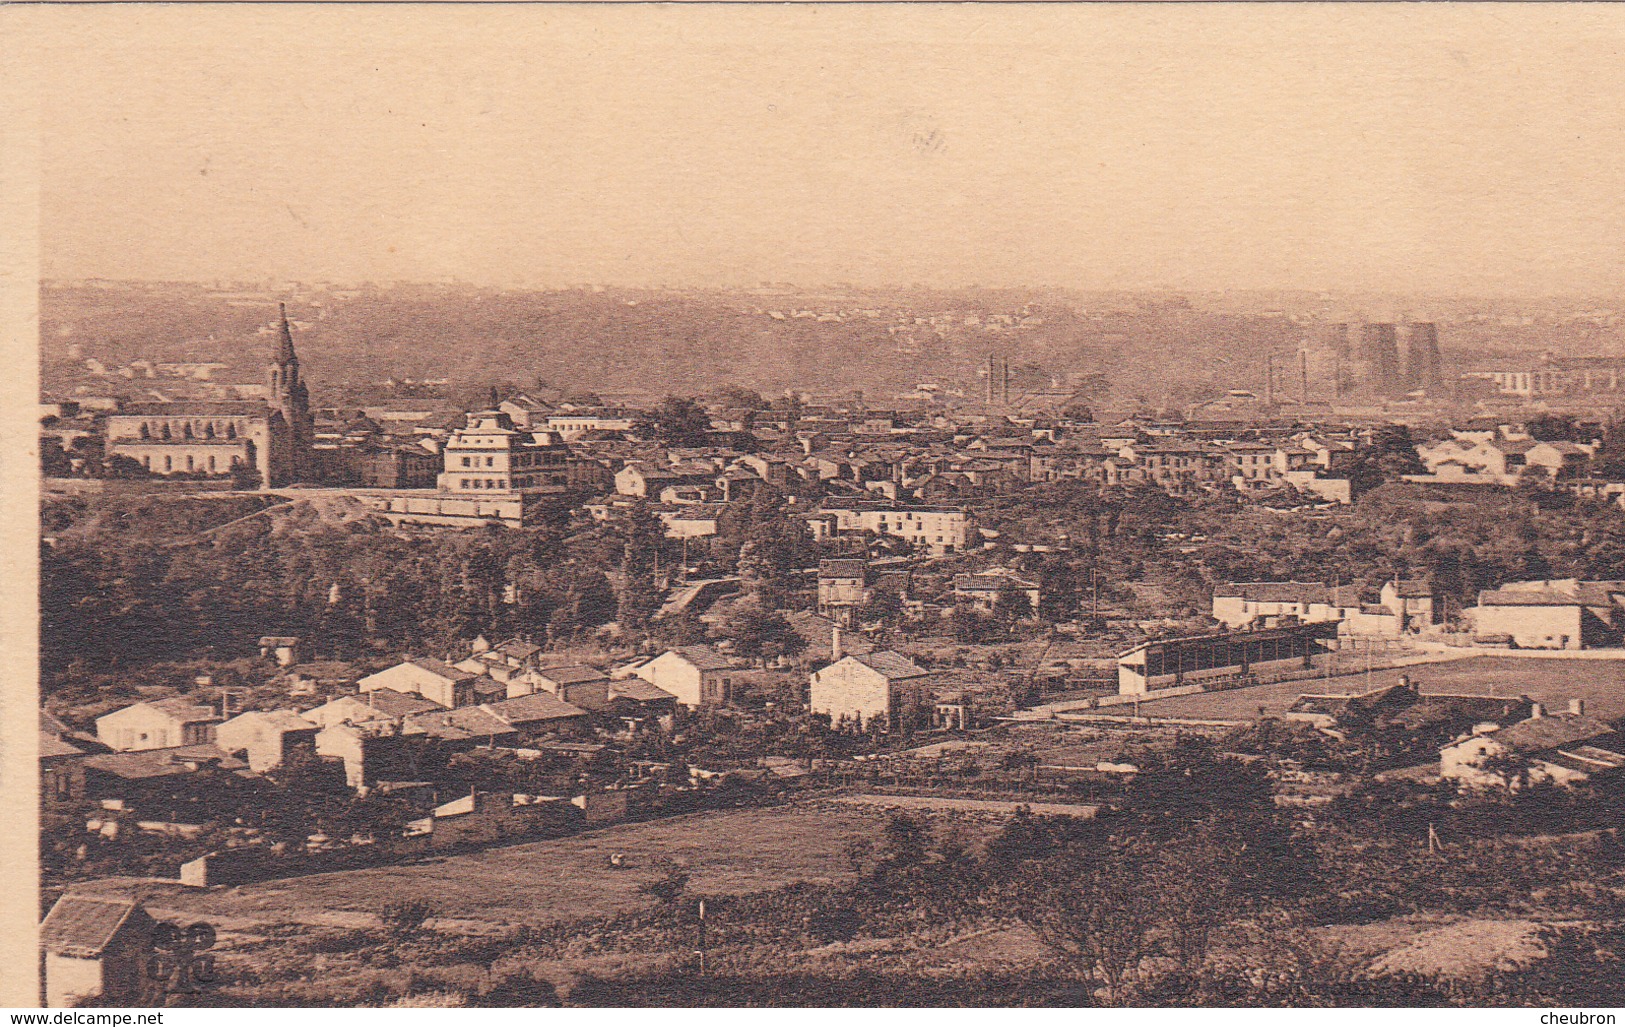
(1563, 749)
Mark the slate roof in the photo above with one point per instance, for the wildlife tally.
(281, 720)
(149, 763)
(1463, 709)
(518, 649)
(893, 666)
(842, 568)
(51, 746)
(1274, 591)
(534, 709)
(391, 703)
(444, 670)
(990, 582)
(1567, 592)
(1551, 731)
(638, 690)
(573, 674)
(1414, 588)
(459, 724)
(703, 657)
(184, 710)
(83, 926)
(51, 725)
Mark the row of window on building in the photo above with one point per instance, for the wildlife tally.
(192, 463)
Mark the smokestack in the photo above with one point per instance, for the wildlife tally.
(835, 644)
(1269, 379)
(1303, 377)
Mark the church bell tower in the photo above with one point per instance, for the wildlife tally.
(287, 394)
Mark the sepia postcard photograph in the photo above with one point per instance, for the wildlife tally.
(813, 505)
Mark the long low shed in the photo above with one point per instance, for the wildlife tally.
(1171, 662)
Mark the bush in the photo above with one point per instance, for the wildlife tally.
(406, 918)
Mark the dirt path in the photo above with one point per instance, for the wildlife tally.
(951, 805)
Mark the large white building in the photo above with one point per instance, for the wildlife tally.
(940, 529)
(493, 472)
(221, 438)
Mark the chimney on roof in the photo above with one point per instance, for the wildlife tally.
(1536, 711)
(1577, 707)
(1406, 683)
(835, 644)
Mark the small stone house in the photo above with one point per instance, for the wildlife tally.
(95, 950)
(268, 739)
(859, 688)
(696, 674)
(163, 724)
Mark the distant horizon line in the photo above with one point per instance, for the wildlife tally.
(260, 284)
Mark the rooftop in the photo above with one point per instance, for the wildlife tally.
(573, 674)
(703, 657)
(83, 926)
(538, 706)
(894, 666)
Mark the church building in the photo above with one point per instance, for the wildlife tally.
(219, 439)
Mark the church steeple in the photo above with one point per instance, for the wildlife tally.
(282, 373)
(286, 395)
(284, 344)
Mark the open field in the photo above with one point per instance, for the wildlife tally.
(564, 879)
(1601, 683)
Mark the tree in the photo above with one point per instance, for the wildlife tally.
(246, 477)
(739, 396)
(669, 886)
(882, 606)
(762, 634)
(679, 421)
(1093, 910)
(406, 918)
(1012, 604)
(1390, 455)
(1194, 896)
(905, 839)
(1553, 428)
(970, 625)
(54, 462)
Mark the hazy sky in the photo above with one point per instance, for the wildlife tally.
(1447, 148)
